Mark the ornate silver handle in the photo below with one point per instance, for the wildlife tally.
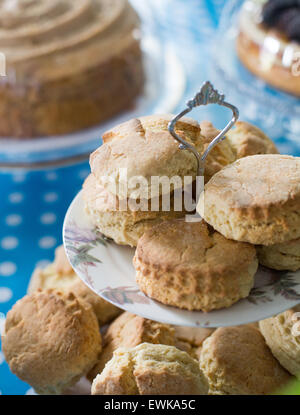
(207, 95)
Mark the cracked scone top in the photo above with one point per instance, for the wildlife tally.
(145, 148)
(77, 55)
(51, 340)
(129, 330)
(191, 266)
(256, 200)
(150, 369)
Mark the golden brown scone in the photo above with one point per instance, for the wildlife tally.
(125, 227)
(145, 148)
(243, 140)
(150, 369)
(220, 156)
(237, 361)
(51, 340)
(284, 256)
(129, 330)
(282, 335)
(256, 199)
(190, 339)
(60, 276)
(247, 140)
(189, 265)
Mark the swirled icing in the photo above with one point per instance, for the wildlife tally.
(53, 37)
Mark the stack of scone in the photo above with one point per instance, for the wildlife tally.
(188, 265)
(257, 200)
(52, 339)
(233, 361)
(191, 266)
(250, 207)
(145, 148)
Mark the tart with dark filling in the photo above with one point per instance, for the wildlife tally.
(269, 42)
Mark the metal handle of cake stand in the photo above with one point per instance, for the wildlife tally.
(207, 95)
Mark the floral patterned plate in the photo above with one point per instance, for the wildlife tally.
(107, 269)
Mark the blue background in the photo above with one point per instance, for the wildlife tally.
(33, 203)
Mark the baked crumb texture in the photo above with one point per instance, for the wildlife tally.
(150, 369)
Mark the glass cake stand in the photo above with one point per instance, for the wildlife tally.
(276, 112)
(163, 91)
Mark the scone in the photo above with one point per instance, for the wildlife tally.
(237, 361)
(129, 330)
(60, 276)
(144, 148)
(69, 64)
(256, 199)
(190, 266)
(220, 156)
(51, 340)
(125, 227)
(190, 339)
(150, 369)
(244, 139)
(284, 256)
(282, 335)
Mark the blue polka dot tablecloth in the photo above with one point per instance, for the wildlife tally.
(32, 210)
(33, 203)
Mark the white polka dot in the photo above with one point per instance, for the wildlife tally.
(19, 178)
(15, 197)
(48, 218)
(9, 242)
(7, 269)
(5, 294)
(83, 173)
(50, 197)
(13, 220)
(30, 392)
(47, 242)
(42, 263)
(51, 176)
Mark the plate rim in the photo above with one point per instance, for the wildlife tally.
(126, 307)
